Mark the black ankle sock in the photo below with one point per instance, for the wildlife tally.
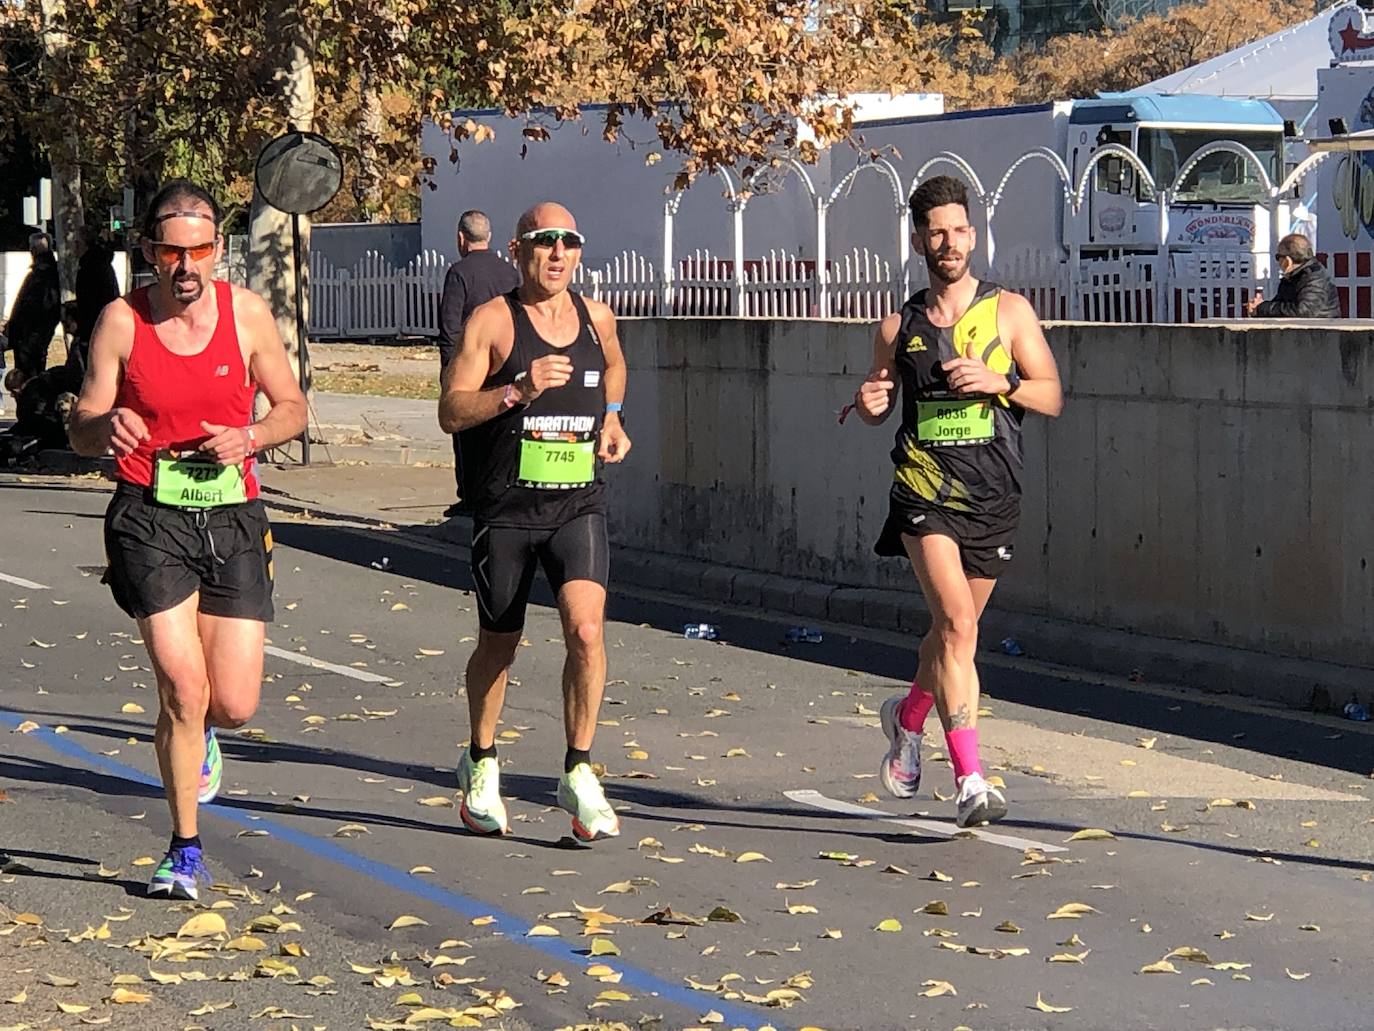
(573, 756)
(478, 753)
(191, 842)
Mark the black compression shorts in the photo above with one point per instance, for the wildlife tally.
(504, 559)
(985, 540)
(159, 556)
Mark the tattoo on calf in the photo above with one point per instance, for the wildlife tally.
(959, 719)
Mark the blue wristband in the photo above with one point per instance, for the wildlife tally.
(615, 406)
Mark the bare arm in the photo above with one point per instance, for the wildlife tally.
(270, 370)
(462, 401)
(615, 444)
(95, 424)
(874, 399)
(1040, 390)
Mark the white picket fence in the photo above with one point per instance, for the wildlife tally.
(377, 299)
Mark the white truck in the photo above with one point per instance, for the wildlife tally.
(1221, 205)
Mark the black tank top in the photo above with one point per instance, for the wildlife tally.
(536, 467)
(955, 453)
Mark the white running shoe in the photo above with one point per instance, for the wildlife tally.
(979, 802)
(482, 810)
(901, 768)
(580, 794)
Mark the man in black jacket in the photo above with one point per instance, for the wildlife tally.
(1305, 291)
(37, 309)
(96, 286)
(476, 278)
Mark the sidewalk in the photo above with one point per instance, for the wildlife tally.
(377, 431)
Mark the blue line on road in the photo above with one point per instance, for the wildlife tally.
(393, 877)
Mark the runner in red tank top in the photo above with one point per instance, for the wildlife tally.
(169, 389)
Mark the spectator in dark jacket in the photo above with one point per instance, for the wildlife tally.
(1305, 291)
(37, 309)
(478, 276)
(96, 286)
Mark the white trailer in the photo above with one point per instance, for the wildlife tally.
(1009, 156)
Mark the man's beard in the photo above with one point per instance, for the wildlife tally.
(946, 275)
(187, 289)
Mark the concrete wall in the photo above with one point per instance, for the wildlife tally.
(1207, 484)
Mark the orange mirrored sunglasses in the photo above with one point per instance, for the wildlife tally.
(169, 254)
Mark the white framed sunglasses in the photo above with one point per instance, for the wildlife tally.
(546, 238)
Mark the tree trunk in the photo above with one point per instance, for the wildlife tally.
(68, 206)
(271, 264)
(367, 185)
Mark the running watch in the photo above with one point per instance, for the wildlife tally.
(1013, 381)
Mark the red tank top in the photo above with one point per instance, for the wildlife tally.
(174, 393)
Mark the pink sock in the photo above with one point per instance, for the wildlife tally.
(963, 751)
(911, 714)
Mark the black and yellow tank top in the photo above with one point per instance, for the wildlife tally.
(961, 454)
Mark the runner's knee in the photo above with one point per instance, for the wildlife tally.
(956, 632)
(231, 713)
(186, 699)
(496, 649)
(586, 635)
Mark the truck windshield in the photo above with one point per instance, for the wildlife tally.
(1220, 177)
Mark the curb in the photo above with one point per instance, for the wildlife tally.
(1306, 684)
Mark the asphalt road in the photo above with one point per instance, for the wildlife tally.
(745, 773)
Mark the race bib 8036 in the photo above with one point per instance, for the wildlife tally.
(954, 423)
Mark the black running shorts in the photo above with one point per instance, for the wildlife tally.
(985, 540)
(504, 560)
(159, 556)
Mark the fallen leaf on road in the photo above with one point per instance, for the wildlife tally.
(934, 989)
(124, 997)
(1092, 834)
(1045, 1007)
(1069, 957)
(935, 908)
(1071, 911)
(27, 727)
(1163, 966)
(891, 925)
(407, 921)
(1262, 918)
(799, 908)
(1189, 953)
(604, 947)
(542, 931)
(752, 857)
(1007, 927)
(441, 801)
(205, 925)
(72, 1007)
(936, 875)
(1297, 977)
(131, 709)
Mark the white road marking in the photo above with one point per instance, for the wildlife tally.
(19, 581)
(332, 667)
(943, 828)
